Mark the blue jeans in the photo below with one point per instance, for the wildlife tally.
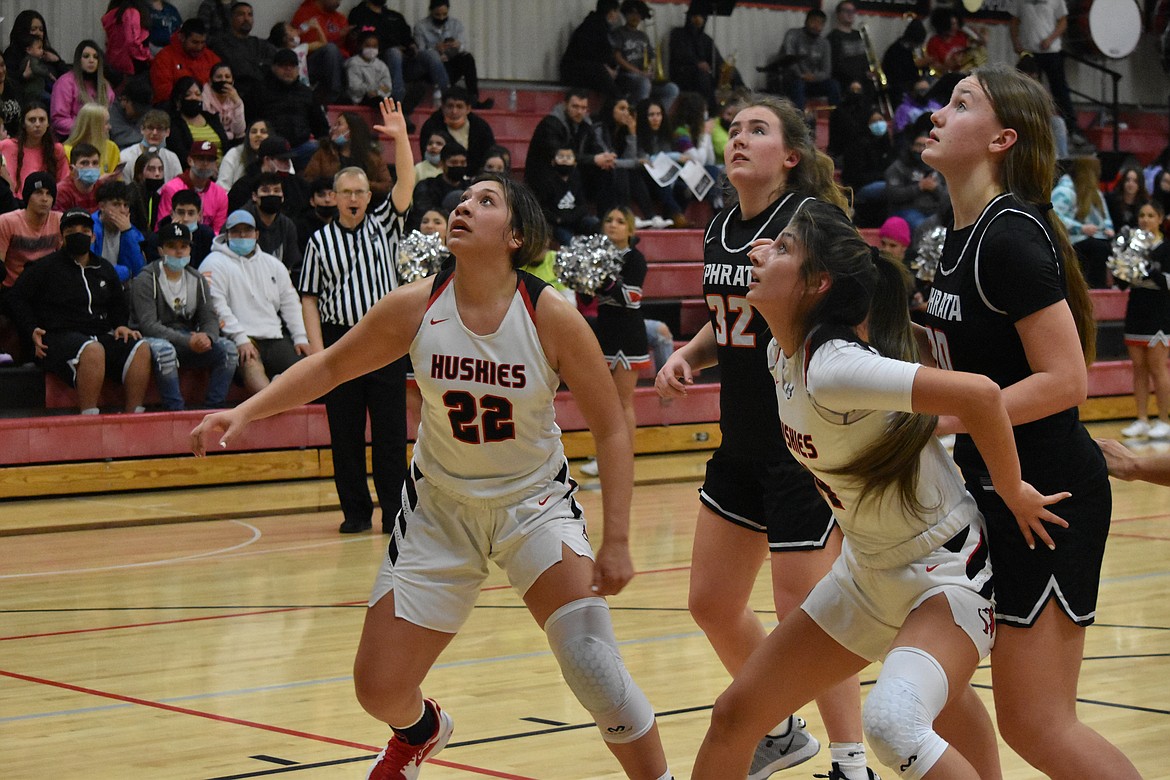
(222, 359)
(798, 90)
(326, 70)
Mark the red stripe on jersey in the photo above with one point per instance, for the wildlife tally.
(528, 304)
(435, 295)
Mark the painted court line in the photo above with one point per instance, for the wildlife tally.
(241, 722)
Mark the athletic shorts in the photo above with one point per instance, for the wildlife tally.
(778, 498)
(437, 559)
(863, 608)
(63, 350)
(1071, 574)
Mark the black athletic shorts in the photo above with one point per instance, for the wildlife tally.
(63, 350)
(1026, 580)
(777, 497)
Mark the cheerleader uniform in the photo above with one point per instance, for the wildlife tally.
(1147, 313)
(752, 479)
(991, 275)
(621, 329)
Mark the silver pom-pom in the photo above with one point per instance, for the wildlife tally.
(420, 255)
(1130, 261)
(930, 248)
(587, 263)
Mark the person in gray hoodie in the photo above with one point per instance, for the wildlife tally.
(171, 306)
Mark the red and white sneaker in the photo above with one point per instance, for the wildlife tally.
(400, 760)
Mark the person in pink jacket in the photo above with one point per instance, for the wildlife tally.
(85, 83)
(198, 177)
(126, 36)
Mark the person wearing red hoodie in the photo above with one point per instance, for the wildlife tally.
(186, 55)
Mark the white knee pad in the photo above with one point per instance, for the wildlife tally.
(581, 636)
(899, 712)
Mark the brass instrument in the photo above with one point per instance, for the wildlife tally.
(727, 72)
(876, 74)
(925, 68)
(659, 68)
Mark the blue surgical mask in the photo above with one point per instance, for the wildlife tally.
(176, 263)
(433, 159)
(879, 127)
(242, 246)
(88, 176)
(341, 140)
(192, 226)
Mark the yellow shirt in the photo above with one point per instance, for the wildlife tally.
(111, 157)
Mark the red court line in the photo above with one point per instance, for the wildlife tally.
(247, 614)
(1141, 536)
(240, 722)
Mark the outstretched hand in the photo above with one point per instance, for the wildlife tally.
(393, 120)
(1028, 505)
(221, 428)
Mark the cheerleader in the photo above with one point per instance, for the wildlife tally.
(912, 587)
(1009, 302)
(1147, 332)
(755, 498)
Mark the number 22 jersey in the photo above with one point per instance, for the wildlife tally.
(488, 427)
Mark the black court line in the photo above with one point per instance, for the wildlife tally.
(1112, 704)
(275, 760)
(545, 721)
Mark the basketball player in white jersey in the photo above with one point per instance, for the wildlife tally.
(489, 479)
(912, 586)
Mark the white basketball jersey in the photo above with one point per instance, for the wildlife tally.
(827, 426)
(488, 427)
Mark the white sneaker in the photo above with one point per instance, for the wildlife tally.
(661, 223)
(774, 752)
(589, 468)
(1136, 429)
(642, 224)
(1159, 430)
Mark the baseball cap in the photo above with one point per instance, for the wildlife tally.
(285, 57)
(174, 231)
(76, 217)
(205, 149)
(40, 180)
(275, 146)
(239, 217)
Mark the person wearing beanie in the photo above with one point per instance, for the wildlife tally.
(894, 237)
(71, 306)
(26, 235)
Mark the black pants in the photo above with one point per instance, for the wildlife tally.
(381, 393)
(462, 66)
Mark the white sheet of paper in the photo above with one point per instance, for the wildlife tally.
(662, 169)
(697, 179)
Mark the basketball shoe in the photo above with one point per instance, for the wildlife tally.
(780, 751)
(836, 774)
(400, 760)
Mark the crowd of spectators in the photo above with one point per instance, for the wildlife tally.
(193, 141)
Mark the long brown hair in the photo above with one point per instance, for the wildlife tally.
(813, 174)
(1029, 172)
(865, 284)
(1085, 173)
(48, 145)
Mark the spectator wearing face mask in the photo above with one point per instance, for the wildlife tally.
(277, 234)
(191, 123)
(274, 156)
(221, 100)
(431, 193)
(79, 189)
(321, 211)
(350, 142)
(428, 166)
(202, 168)
(186, 210)
(146, 181)
(865, 158)
(367, 78)
(171, 306)
(916, 103)
(562, 198)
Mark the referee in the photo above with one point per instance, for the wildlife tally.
(349, 265)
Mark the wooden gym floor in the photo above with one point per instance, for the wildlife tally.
(223, 649)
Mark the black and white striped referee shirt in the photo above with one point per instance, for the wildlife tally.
(350, 270)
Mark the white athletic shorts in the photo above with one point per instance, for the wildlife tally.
(863, 608)
(437, 558)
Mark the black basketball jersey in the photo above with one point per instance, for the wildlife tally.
(991, 275)
(748, 417)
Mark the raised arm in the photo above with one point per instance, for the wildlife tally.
(394, 127)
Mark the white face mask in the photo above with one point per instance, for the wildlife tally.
(369, 54)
